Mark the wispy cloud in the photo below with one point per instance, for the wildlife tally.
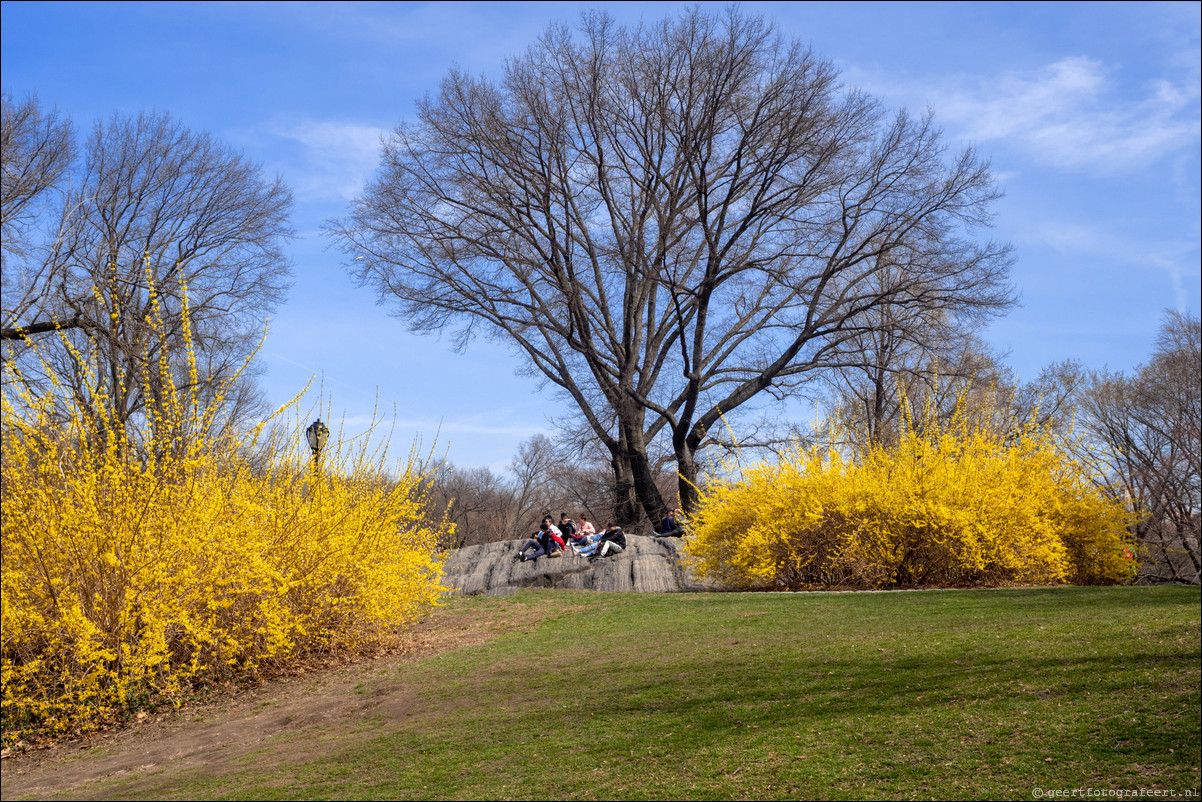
(1176, 258)
(330, 160)
(474, 425)
(1072, 114)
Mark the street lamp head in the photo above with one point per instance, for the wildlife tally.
(317, 434)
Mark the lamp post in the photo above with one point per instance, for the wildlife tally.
(317, 434)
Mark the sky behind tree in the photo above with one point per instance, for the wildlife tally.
(1090, 113)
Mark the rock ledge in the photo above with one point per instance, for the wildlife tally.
(648, 565)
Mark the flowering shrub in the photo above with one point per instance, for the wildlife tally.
(955, 505)
(134, 571)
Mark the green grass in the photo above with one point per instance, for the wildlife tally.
(956, 694)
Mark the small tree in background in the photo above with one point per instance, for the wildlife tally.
(1143, 437)
(885, 372)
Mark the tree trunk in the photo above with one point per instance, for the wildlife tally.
(626, 504)
(631, 425)
(686, 468)
(645, 487)
(636, 495)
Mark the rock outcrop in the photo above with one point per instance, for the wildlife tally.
(648, 565)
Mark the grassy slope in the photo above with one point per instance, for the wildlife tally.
(957, 694)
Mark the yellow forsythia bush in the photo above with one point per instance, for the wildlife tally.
(133, 572)
(956, 505)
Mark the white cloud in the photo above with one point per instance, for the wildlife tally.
(1073, 114)
(333, 160)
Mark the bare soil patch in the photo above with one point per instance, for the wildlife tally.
(306, 710)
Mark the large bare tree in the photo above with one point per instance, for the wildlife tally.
(151, 205)
(669, 222)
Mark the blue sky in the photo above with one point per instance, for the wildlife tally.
(1090, 113)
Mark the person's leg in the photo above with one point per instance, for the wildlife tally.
(607, 547)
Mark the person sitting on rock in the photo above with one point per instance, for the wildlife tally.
(671, 525)
(587, 550)
(585, 529)
(584, 542)
(555, 538)
(613, 541)
(542, 541)
(567, 527)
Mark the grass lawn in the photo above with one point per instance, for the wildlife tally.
(997, 694)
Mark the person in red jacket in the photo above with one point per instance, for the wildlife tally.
(555, 542)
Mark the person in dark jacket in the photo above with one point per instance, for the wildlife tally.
(567, 528)
(671, 526)
(613, 541)
(542, 541)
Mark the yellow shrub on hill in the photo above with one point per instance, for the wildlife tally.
(956, 505)
(134, 571)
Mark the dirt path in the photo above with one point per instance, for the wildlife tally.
(309, 709)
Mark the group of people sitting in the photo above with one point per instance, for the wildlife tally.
(554, 540)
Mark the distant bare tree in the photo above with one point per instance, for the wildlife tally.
(37, 149)
(946, 371)
(487, 507)
(908, 355)
(152, 205)
(543, 479)
(1143, 435)
(670, 222)
(476, 500)
(585, 486)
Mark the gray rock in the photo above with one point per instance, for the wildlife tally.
(648, 565)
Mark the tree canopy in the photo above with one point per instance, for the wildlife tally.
(148, 211)
(670, 221)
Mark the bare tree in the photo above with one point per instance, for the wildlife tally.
(37, 148)
(670, 222)
(904, 359)
(892, 379)
(1143, 435)
(541, 480)
(476, 500)
(153, 212)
